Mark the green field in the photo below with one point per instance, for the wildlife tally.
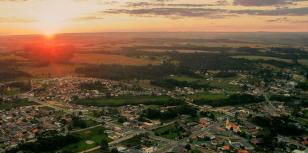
(84, 124)
(96, 135)
(263, 58)
(222, 83)
(15, 104)
(184, 78)
(11, 91)
(170, 132)
(138, 141)
(125, 100)
(303, 62)
(303, 121)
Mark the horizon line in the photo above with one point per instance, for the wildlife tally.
(65, 33)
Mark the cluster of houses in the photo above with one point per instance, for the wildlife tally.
(25, 123)
(65, 89)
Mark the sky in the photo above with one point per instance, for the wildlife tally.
(49, 17)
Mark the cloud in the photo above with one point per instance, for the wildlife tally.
(283, 19)
(275, 12)
(262, 2)
(173, 12)
(85, 18)
(151, 4)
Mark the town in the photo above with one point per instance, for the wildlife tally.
(97, 115)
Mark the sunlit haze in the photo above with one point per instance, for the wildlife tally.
(48, 17)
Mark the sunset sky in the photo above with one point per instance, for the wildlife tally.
(69, 16)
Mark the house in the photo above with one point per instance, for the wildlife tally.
(231, 126)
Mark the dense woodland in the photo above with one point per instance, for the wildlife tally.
(233, 100)
(171, 113)
(46, 144)
(171, 84)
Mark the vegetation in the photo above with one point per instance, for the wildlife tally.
(302, 86)
(184, 78)
(46, 144)
(78, 123)
(281, 125)
(129, 100)
(304, 62)
(209, 96)
(173, 131)
(139, 141)
(211, 114)
(21, 86)
(7, 105)
(170, 113)
(171, 84)
(117, 72)
(95, 135)
(225, 74)
(238, 99)
(263, 58)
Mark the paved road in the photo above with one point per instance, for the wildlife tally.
(90, 150)
(80, 130)
(112, 142)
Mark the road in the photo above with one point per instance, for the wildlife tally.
(113, 142)
(80, 130)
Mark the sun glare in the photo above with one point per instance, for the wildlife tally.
(49, 36)
(56, 15)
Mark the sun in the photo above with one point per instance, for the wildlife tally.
(49, 36)
(49, 23)
(53, 18)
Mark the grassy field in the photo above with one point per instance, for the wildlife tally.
(263, 58)
(125, 100)
(95, 135)
(15, 104)
(11, 92)
(184, 78)
(87, 123)
(222, 83)
(141, 140)
(303, 62)
(169, 132)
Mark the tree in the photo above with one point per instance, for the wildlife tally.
(78, 122)
(104, 144)
(188, 147)
(114, 150)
